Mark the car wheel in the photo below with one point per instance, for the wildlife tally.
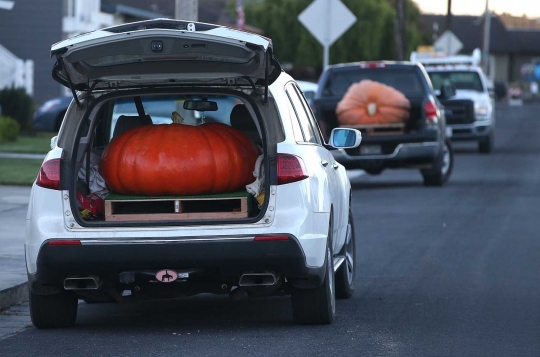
(485, 145)
(345, 275)
(53, 311)
(318, 305)
(442, 168)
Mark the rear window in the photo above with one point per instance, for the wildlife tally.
(464, 80)
(405, 80)
(160, 109)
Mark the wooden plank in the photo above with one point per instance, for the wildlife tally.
(175, 216)
(179, 210)
(375, 126)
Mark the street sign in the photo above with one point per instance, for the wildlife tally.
(327, 20)
(448, 43)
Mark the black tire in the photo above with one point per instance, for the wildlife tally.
(318, 305)
(485, 145)
(53, 311)
(345, 275)
(442, 167)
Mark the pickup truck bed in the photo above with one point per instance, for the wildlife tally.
(420, 143)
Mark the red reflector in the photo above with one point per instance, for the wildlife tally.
(270, 238)
(49, 175)
(290, 169)
(64, 242)
(430, 109)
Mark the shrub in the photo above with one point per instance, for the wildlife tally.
(9, 129)
(17, 104)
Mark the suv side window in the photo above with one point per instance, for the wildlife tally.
(297, 130)
(307, 129)
(311, 118)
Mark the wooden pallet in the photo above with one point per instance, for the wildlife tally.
(139, 208)
(379, 129)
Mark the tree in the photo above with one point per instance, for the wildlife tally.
(370, 38)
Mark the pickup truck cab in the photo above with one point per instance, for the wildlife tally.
(420, 144)
(470, 114)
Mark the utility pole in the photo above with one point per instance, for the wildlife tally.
(401, 30)
(487, 37)
(187, 10)
(449, 16)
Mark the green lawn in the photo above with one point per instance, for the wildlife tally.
(39, 144)
(18, 172)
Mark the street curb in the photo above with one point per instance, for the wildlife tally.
(13, 295)
(9, 155)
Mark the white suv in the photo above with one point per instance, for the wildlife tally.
(292, 233)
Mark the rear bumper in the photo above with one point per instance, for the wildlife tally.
(474, 131)
(230, 256)
(409, 152)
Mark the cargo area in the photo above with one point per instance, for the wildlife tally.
(169, 158)
(412, 125)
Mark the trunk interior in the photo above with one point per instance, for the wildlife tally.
(175, 158)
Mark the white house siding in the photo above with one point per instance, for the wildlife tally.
(27, 31)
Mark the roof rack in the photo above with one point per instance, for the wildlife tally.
(437, 59)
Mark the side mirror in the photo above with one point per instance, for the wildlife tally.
(201, 105)
(447, 91)
(344, 138)
(54, 140)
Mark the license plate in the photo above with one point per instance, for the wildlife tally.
(370, 149)
(449, 132)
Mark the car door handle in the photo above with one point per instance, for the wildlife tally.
(335, 165)
(324, 163)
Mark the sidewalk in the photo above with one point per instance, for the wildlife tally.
(13, 206)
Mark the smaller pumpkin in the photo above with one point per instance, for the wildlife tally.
(369, 102)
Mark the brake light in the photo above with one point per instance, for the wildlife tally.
(270, 238)
(372, 65)
(431, 113)
(290, 169)
(49, 175)
(64, 242)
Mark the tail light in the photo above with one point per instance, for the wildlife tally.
(49, 175)
(431, 113)
(64, 242)
(290, 169)
(270, 238)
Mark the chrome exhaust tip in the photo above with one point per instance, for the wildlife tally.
(82, 283)
(258, 279)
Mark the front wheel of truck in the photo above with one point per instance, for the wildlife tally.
(442, 167)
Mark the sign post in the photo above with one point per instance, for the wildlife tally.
(327, 20)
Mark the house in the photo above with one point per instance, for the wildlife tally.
(514, 42)
(209, 11)
(29, 28)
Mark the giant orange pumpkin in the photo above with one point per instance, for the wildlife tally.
(178, 159)
(369, 102)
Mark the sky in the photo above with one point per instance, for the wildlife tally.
(476, 7)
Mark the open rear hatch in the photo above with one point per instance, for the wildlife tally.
(162, 53)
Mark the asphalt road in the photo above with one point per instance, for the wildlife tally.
(451, 271)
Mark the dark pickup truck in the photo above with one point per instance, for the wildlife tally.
(420, 144)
